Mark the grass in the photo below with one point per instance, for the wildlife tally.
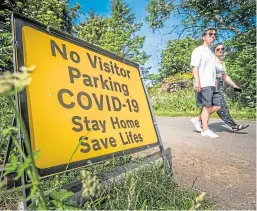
(61, 179)
(150, 188)
(182, 103)
(9, 199)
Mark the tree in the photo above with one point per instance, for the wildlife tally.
(159, 12)
(116, 33)
(232, 16)
(176, 56)
(93, 28)
(241, 66)
(54, 13)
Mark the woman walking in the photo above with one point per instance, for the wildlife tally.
(222, 76)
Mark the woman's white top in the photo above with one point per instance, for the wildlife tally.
(220, 69)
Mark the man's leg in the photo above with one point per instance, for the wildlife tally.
(205, 117)
(197, 123)
(207, 110)
(212, 110)
(197, 120)
(204, 98)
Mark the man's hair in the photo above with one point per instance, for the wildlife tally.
(216, 45)
(208, 29)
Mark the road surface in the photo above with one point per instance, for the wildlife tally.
(225, 167)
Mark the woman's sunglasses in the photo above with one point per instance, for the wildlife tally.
(219, 49)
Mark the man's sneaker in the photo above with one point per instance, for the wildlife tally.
(209, 133)
(197, 124)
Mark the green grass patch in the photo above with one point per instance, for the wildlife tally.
(150, 188)
(182, 103)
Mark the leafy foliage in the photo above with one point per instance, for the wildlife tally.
(176, 57)
(159, 11)
(5, 50)
(59, 198)
(226, 15)
(54, 13)
(93, 28)
(6, 115)
(179, 81)
(241, 66)
(116, 33)
(179, 77)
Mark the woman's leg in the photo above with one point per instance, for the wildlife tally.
(224, 113)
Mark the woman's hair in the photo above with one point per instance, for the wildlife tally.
(216, 45)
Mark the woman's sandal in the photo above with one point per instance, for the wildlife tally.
(239, 127)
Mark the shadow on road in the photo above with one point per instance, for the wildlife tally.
(220, 127)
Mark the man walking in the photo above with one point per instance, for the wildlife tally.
(204, 71)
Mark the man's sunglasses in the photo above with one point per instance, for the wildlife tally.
(219, 49)
(214, 34)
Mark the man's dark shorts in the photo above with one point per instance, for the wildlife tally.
(208, 96)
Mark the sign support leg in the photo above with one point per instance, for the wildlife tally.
(167, 165)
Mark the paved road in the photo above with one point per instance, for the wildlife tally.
(225, 168)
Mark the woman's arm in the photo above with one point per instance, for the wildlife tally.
(229, 81)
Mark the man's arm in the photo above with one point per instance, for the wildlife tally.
(197, 79)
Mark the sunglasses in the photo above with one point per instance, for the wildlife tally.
(219, 49)
(214, 34)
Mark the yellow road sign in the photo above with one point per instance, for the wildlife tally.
(83, 102)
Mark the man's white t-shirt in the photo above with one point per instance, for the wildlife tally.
(204, 58)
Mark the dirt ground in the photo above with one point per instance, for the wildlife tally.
(224, 168)
(229, 182)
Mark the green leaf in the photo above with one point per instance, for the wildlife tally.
(36, 154)
(22, 167)
(12, 166)
(61, 195)
(144, 206)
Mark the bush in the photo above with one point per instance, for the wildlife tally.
(180, 77)
(6, 115)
